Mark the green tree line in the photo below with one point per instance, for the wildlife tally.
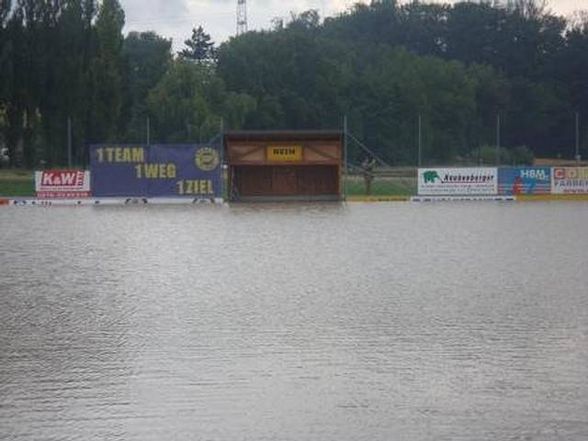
(68, 62)
(458, 68)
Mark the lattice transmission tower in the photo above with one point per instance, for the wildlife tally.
(241, 16)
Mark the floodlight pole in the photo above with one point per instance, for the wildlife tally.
(498, 140)
(345, 159)
(577, 137)
(222, 158)
(420, 140)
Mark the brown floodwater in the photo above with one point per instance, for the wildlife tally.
(442, 321)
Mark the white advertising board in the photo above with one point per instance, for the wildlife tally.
(479, 181)
(62, 184)
(569, 180)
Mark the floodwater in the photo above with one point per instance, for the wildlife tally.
(442, 321)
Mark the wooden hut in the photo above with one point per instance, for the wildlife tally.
(284, 165)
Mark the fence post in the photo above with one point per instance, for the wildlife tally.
(69, 142)
(420, 140)
(577, 137)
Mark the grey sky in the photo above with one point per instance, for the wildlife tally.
(175, 18)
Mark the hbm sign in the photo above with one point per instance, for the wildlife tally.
(524, 181)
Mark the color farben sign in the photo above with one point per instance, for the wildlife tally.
(570, 180)
(474, 181)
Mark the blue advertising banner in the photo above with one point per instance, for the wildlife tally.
(155, 171)
(524, 180)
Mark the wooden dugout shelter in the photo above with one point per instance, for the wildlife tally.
(285, 165)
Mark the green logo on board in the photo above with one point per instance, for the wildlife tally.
(431, 176)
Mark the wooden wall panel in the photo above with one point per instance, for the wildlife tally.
(317, 152)
(313, 180)
(318, 180)
(246, 153)
(285, 181)
(253, 181)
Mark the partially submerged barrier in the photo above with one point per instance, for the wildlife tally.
(382, 198)
(476, 182)
(462, 198)
(108, 202)
(526, 184)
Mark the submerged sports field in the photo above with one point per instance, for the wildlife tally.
(305, 321)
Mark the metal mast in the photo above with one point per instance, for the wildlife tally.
(241, 17)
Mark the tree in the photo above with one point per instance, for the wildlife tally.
(148, 57)
(5, 7)
(189, 101)
(29, 42)
(66, 92)
(199, 47)
(106, 75)
(307, 20)
(529, 8)
(296, 77)
(457, 65)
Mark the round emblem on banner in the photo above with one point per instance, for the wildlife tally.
(207, 159)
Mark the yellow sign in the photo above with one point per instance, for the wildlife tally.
(291, 153)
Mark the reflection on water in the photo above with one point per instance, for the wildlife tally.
(305, 322)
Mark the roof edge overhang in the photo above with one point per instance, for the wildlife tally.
(283, 135)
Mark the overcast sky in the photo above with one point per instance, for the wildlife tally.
(175, 18)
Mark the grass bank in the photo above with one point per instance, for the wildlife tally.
(382, 186)
(16, 183)
(21, 183)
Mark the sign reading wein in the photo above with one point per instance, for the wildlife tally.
(65, 184)
(284, 153)
(479, 181)
(155, 171)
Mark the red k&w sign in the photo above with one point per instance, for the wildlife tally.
(62, 184)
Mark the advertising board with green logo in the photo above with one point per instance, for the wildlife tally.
(472, 181)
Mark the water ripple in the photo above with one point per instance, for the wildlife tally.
(315, 322)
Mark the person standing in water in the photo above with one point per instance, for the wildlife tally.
(367, 167)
